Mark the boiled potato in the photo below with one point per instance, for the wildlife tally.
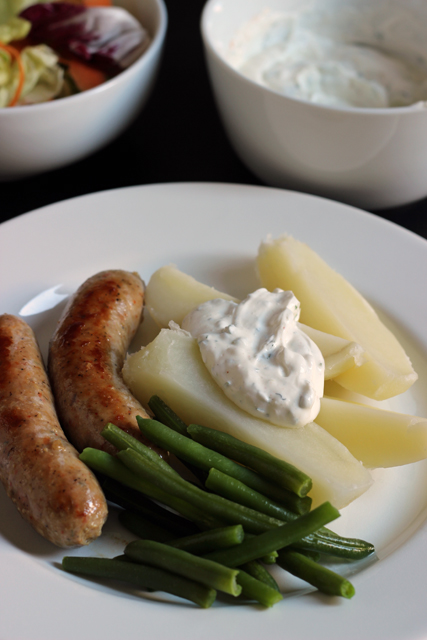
(329, 303)
(339, 354)
(171, 294)
(171, 367)
(376, 437)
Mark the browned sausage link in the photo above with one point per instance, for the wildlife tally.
(39, 468)
(86, 357)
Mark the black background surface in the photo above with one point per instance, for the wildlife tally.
(178, 137)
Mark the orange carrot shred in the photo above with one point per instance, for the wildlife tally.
(14, 53)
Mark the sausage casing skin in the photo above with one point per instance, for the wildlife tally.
(86, 356)
(39, 468)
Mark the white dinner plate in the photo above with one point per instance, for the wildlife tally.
(212, 231)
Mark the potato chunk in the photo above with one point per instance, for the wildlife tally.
(376, 437)
(171, 294)
(329, 303)
(339, 354)
(171, 367)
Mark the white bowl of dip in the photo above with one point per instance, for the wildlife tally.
(40, 137)
(324, 96)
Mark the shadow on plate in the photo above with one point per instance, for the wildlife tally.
(20, 533)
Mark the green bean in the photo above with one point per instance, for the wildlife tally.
(220, 507)
(207, 572)
(290, 500)
(165, 415)
(323, 540)
(277, 538)
(314, 555)
(141, 576)
(258, 571)
(111, 466)
(235, 490)
(322, 578)
(122, 440)
(278, 471)
(168, 417)
(326, 542)
(196, 454)
(269, 558)
(198, 543)
(143, 528)
(254, 589)
(366, 548)
(122, 558)
(216, 506)
(207, 541)
(135, 501)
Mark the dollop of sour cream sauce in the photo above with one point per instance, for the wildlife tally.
(283, 54)
(259, 357)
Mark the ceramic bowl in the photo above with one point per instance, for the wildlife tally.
(40, 137)
(370, 157)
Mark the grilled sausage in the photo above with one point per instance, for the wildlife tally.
(86, 356)
(39, 468)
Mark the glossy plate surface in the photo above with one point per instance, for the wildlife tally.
(212, 231)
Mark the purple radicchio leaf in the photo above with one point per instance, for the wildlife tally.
(108, 38)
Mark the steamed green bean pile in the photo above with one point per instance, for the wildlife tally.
(253, 511)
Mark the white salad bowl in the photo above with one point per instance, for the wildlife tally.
(40, 137)
(370, 157)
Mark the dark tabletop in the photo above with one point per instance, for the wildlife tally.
(178, 137)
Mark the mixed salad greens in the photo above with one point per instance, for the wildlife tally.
(50, 50)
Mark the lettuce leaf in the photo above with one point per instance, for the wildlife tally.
(11, 8)
(14, 29)
(43, 76)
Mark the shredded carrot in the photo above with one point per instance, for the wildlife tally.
(97, 3)
(14, 53)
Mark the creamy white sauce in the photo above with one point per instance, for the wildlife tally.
(276, 51)
(258, 355)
